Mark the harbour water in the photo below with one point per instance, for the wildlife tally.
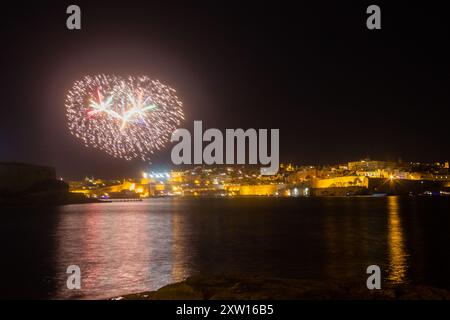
(137, 246)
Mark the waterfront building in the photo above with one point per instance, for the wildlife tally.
(369, 165)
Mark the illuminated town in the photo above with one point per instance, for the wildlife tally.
(364, 177)
(220, 158)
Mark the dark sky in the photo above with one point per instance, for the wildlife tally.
(336, 90)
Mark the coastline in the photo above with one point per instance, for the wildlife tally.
(75, 198)
(45, 199)
(202, 287)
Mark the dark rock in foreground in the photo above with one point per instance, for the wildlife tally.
(254, 288)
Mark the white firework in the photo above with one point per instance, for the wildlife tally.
(128, 118)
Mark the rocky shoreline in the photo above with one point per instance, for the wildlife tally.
(257, 288)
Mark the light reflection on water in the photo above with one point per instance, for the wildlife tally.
(397, 251)
(120, 250)
(130, 247)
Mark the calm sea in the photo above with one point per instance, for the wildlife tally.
(130, 247)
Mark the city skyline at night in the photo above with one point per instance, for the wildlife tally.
(225, 155)
(231, 73)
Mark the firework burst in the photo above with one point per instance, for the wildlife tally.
(128, 118)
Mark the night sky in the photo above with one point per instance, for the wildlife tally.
(336, 90)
